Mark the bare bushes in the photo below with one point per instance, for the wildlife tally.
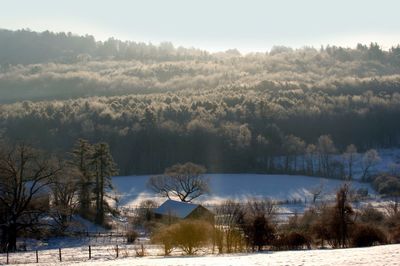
(249, 225)
(291, 240)
(188, 235)
(228, 233)
(253, 226)
(131, 236)
(366, 235)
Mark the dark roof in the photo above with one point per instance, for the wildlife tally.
(176, 208)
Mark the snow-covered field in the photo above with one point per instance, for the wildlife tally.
(372, 256)
(133, 189)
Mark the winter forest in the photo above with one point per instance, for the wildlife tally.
(160, 105)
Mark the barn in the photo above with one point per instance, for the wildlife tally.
(183, 210)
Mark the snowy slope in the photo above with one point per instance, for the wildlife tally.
(373, 256)
(132, 189)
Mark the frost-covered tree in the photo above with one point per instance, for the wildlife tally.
(349, 157)
(326, 149)
(370, 159)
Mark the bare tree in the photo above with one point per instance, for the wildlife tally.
(326, 148)
(371, 157)
(349, 156)
(294, 146)
(185, 181)
(65, 196)
(342, 215)
(311, 152)
(24, 179)
(316, 191)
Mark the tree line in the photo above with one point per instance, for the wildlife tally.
(259, 129)
(29, 47)
(37, 66)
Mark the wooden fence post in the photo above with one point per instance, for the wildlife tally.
(117, 251)
(59, 254)
(90, 252)
(7, 257)
(37, 257)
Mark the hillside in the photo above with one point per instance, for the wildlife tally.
(133, 189)
(159, 105)
(50, 65)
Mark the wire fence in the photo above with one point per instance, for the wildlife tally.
(81, 253)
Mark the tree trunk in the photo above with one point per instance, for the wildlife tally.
(12, 238)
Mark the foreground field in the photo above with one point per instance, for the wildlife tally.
(379, 255)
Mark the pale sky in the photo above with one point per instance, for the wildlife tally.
(215, 25)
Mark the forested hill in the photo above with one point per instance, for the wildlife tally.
(47, 66)
(159, 105)
(227, 130)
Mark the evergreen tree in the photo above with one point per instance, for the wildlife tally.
(81, 158)
(104, 168)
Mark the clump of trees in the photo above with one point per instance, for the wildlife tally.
(249, 226)
(96, 166)
(35, 186)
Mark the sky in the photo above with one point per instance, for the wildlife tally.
(214, 25)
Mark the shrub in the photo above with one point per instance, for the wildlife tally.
(298, 240)
(145, 212)
(370, 215)
(262, 232)
(165, 237)
(218, 239)
(258, 225)
(140, 252)
(189, 235)
(395, 235)
(366, 235)
(291, 240)
(321, 226)
(131, 236)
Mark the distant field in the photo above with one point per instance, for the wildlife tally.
(133, 189)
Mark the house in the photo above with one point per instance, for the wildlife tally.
(183, 210)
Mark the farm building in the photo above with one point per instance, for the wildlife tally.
(183, 210)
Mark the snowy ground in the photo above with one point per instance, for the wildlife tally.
(379, 255)
(133, 190)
